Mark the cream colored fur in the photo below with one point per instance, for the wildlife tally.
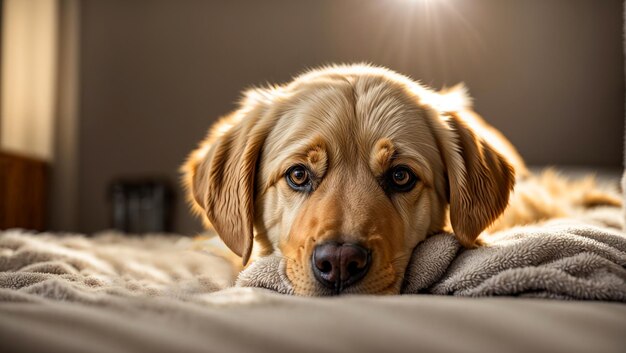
(349, 125)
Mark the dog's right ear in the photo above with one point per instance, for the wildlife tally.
(219, 176)
(479, 179)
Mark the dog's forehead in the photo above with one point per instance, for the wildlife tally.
(350, 115)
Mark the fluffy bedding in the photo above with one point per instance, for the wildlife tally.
(107, 266)
(113, 292)
(564, 259)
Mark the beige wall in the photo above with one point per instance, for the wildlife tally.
(155, 74)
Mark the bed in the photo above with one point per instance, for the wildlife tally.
(113, 292)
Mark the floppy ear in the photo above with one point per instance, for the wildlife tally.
(479, 179)
(220, 174)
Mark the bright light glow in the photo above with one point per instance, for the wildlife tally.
(424, 2)
(417, 34)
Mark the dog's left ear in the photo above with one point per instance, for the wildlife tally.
(479, 179)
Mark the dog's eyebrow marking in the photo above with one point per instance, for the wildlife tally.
(316, 155)
(385, 152)
(313, 153)
(382, 155)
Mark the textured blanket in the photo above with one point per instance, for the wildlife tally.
(565, 259)
(97, 269)
(111, 293)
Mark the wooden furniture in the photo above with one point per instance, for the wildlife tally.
(23, 184)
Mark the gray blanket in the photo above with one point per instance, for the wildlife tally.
(114, 293)
(564, 259)
(99, 269)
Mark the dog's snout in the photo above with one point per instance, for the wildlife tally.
(338, 266)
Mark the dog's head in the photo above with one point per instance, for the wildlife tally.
(343, 172)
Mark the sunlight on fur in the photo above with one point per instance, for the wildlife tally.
(345, 169)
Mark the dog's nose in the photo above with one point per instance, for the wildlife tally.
(338, 266)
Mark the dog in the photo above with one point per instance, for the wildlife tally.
(344, 170)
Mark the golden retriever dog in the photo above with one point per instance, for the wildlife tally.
(343, 171)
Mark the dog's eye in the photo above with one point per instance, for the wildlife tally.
(401, 179)
(298, 178)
